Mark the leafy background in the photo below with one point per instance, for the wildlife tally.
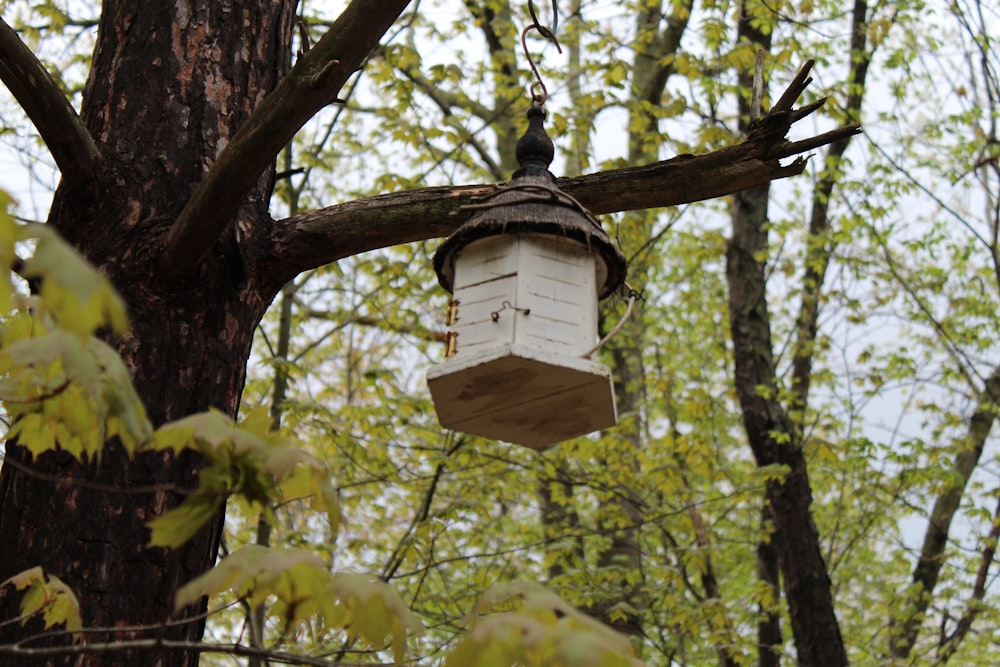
(655, 526)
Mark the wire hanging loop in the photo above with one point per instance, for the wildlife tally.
(539, 93)
(633, 296)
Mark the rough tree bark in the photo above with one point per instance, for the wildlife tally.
(794, 545)
(169, 199)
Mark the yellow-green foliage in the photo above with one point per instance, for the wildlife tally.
(303, 588)
(248, 462)
(525, 624)
(63, 388)
(66, 390)
(46, 595)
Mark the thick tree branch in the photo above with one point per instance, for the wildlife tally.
(311, 84)
(325, 235)
(53, 116)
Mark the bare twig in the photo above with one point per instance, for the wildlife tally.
(397, 557)
(415, 330)
(758, 86)
(795, 88)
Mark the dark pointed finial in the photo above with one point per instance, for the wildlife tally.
(534, 149)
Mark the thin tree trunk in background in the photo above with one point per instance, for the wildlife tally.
(653, 45)
(558, 516)
(905, 625)
(774, 440)
(555, 492)
(279, 393)
(769, 625)
(771, 433)
(769, 639)
(820, 246)
(906, 622)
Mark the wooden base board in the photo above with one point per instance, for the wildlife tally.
(523, 396)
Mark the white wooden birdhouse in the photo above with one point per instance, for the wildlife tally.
(526, 272)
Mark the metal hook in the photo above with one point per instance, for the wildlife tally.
(547, 33)
(538, 98)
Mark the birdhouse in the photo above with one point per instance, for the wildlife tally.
(526, 272)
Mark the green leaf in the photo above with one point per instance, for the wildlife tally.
(78, 297)
(48, 595)
(245, 460)
(180, 524)
(537, 629)
(303, 587)
(376, 610)
(312, 482)
(241, 569)
(69, 393)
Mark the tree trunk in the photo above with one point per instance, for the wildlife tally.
(774, 440)
(623, 555)
(771, 432)
(769, 637)
(170, 84)
(769, 624)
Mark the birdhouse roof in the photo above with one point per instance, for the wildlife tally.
(532, 203)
